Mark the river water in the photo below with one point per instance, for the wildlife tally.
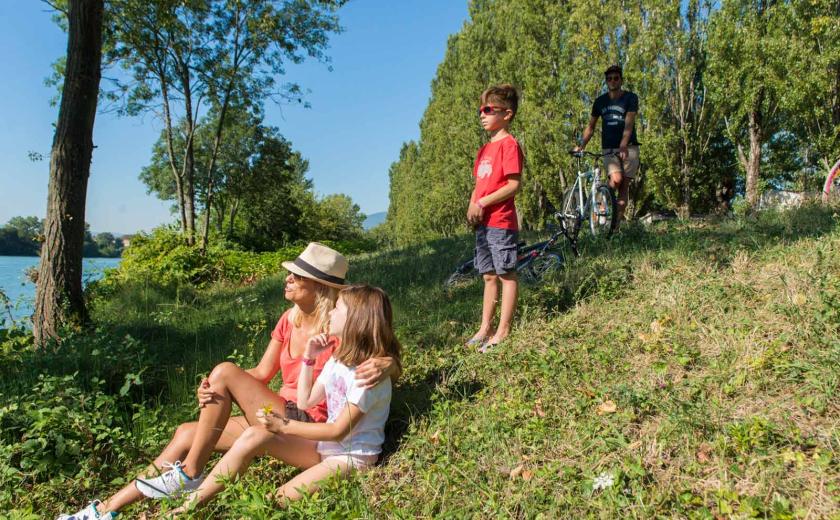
(21, 292)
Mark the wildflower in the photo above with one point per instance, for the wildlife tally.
(603, 481)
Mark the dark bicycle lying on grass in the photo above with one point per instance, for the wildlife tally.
(533, 262)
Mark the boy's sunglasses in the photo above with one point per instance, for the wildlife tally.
(613, 78)
(489, 109)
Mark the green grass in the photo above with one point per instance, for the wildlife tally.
(693, 365)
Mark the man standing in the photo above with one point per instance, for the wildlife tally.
(617, 108)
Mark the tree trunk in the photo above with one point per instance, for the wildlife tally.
(753, 166)
(221, 211)
(685, 182)
(170, 148)
(217, 142)
(234, 208)
(188, 175)
(58, 298)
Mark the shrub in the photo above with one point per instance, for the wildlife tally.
(164, 257)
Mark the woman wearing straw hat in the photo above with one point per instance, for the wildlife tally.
(312, 287)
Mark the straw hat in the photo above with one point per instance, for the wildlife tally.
(320, 263)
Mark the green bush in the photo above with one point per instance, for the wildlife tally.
(164, 257)
(61, 430)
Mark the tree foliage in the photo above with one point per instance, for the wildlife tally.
(263, 199)
(22, 236)
(190, 61)
(700, 69)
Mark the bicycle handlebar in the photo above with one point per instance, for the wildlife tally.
(581, 153)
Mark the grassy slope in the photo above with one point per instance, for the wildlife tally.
(717, 344)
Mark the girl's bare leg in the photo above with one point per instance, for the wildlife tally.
(175, 450)
(254, 442)
(307, 481)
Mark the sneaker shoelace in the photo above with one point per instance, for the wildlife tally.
(170, 477)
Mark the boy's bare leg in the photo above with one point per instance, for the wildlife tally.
(175, 450)
(510, 291)
(254, 442)
(488, 306)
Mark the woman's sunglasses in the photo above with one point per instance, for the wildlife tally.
(489, 109)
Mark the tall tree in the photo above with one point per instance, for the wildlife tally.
(748, 77)
(58, 297)
(812, 104)
(188, 57)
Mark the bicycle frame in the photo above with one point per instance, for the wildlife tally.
(584, 176)
(539, 248)
(526, 253)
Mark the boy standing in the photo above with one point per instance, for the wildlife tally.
(497, 172)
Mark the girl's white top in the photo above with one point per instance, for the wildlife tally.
(367, 437)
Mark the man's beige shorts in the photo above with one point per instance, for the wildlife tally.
(631, 164)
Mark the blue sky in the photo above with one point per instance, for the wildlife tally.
(362, 111)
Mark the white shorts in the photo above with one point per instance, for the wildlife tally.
(360, 462)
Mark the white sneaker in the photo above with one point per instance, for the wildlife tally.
(169, 483)
(88, 513)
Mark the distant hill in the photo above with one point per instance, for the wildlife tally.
(374, 219)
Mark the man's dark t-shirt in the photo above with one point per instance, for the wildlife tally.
(611, 112)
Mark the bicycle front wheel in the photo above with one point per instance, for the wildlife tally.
(542, 266)
(602, 212)
(570, 218)
(462, 276)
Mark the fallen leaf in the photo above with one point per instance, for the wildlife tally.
(538, 409)
(704, 453)
(606, 407)
(656, 327)
(515, 472)
(647, 338)
(799, 299)
(586, 392)
(526, 475)
(435, 438)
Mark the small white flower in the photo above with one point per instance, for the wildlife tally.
(603, 481)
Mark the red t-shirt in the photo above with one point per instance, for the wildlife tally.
(494, 163)
(290, 367)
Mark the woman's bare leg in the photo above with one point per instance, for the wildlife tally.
(255, 442)
(231, 384)
(175, 450)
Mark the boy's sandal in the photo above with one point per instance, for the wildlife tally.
(485, 348)
(476, 342)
